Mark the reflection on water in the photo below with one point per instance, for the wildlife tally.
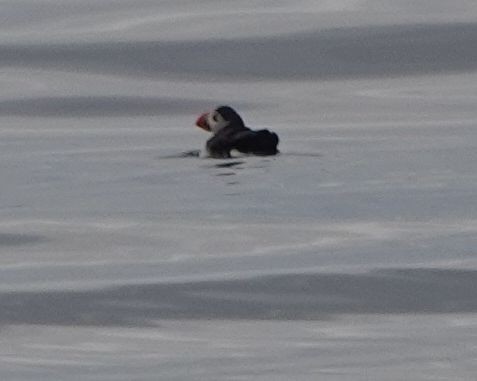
(186, 154)
(229, 164)
(226, 174)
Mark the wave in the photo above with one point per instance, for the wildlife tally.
(278, 297)
(338, 53)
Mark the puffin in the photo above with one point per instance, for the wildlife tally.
(230, 133)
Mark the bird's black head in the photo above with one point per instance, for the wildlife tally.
(219, 118)
(230, 115)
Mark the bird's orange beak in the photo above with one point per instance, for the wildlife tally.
(202, 122)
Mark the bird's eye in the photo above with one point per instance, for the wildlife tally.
(215, 117)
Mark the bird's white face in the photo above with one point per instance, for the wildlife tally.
(215, 121)
(212, 121)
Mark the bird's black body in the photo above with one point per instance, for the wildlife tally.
(230, 133)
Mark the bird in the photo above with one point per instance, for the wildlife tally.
(230, 133)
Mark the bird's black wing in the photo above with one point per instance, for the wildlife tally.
(261, 142)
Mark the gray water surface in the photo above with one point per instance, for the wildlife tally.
(349, 256)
